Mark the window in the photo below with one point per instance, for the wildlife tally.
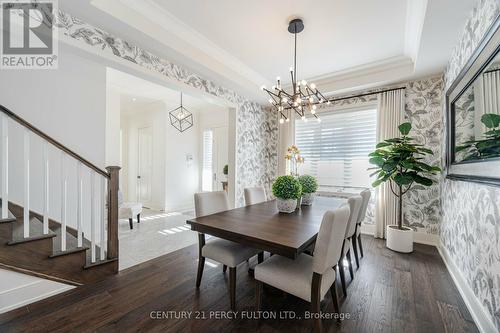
(207, 168)
(336, 150)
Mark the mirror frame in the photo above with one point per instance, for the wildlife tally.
(486, 171)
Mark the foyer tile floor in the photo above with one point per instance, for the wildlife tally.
(158, 233)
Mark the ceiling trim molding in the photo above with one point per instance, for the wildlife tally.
(415, 19)
(363, 76)
(179, 36)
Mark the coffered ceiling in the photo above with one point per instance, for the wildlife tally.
(346, 45)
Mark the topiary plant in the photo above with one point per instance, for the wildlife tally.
(399, 161)
(309, 184)
(225, 170)
(287, 187)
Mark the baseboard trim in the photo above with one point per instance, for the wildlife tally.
(418, 237)
(479, 314)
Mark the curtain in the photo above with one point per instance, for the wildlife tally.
(286, 139)
(486, 99)
(391, 106)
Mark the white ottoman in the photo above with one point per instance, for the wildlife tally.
(127, 210)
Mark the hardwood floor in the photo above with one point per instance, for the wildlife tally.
(391, 292)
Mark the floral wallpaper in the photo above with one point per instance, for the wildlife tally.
(470, 227)
(256, 129)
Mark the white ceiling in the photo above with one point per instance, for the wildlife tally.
(346, 45)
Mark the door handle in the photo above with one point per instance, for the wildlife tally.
(138, 177)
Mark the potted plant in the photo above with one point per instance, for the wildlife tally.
(399, 162)
(287, 190)
(309, 187)
(225, 170)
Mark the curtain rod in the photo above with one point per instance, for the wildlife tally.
(365, 94)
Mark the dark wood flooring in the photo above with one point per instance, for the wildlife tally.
(391, 292)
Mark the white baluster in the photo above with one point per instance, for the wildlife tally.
(64, 196)
(46, 192)
(102, 221)
(79, 213)
(92, 217)
(5, 167)
(26, 212)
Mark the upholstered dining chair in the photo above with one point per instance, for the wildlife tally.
(365, 194)
(228, 253)
(354, 203)
(308, 277)
(255, 195)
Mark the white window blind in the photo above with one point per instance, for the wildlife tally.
(336, 150)
(206, 178)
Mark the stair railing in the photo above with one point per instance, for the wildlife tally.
(103, 188)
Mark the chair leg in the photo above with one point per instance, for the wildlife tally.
(333, 292)
(316, 301)
(130, 222)
(260, 257)
(201, 259)
(258, 294)
(232, 287)
(355, 248)
(351, 271)
(360, 246)
(224, 269)
(342, 277)
(139, 218)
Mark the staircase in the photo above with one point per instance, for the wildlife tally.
(79, 247)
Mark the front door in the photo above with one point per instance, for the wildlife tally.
(145, 162)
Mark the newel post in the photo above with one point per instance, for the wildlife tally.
(113, 186)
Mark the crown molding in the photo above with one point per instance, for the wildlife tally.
(173, 33)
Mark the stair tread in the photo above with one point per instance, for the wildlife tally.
(71, 241)
(97, 262)
(10, 218)
(36, 231)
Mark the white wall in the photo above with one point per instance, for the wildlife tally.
(19, 289)
(69, 104)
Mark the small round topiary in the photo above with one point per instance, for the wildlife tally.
(309, 184)
(287, 187)
(225, 170)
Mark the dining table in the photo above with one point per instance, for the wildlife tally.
(262, 226)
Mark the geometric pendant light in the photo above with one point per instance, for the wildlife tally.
(181, 118)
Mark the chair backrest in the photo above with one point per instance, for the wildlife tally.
(354, 203)
(331, 233)
(255, 195)
(207, 203)
(366, 194)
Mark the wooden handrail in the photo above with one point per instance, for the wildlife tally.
(55, 143)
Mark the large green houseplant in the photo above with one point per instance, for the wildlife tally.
(400, 162)
(287, 190)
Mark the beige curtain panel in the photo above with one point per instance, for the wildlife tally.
(390, 115)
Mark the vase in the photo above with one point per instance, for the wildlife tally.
(286, 205)
(308, 198)
(399, 240)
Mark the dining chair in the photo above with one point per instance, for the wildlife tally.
(228, 253)
(365, 194)
(308, 277)
(255, 195)
(354, 203)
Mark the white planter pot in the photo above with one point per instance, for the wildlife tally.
(399, 240)
(286, 205)
(308, 198)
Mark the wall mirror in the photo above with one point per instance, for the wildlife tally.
(473, 114)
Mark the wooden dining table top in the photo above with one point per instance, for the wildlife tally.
(262, 226)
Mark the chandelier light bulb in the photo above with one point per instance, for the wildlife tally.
(321, 100)
(291, 69)
(303, 118)
(314, 107)
(313, 111)
(277, 78)
(303, 82)
(295, 103)
(313, 86)
(328, 103)
(263, 87)
(287, 120)
(282, 120)
(311, 99)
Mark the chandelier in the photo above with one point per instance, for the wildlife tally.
(181, 118)
(304, 97)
